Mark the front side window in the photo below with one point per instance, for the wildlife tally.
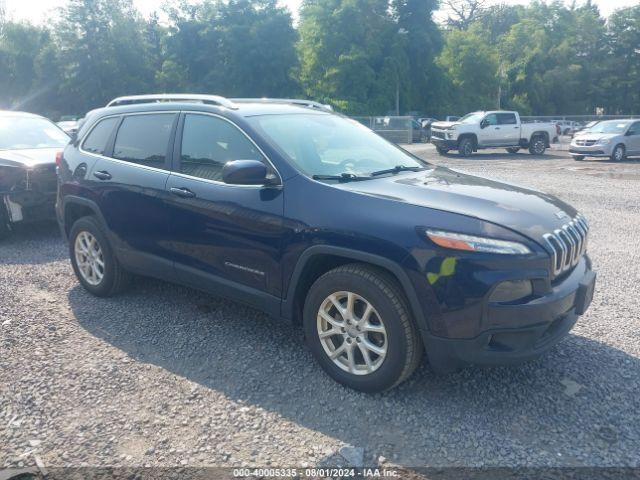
(96, 141)
(144, 139)
(325, 144)
(210, 142)
(634, 129)
(491, 119)
(21, 133)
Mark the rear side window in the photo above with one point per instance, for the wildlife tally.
(144, 139)
(96, 141)
(210, 142)
(506, 119)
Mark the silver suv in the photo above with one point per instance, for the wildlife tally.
(615, 139)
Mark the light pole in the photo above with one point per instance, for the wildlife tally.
(401, 31)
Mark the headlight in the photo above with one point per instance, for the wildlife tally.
(603, 141)
(471, 243)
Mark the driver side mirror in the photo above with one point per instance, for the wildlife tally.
(247, 172)
(484, 123)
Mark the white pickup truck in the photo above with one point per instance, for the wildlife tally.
(496, 129)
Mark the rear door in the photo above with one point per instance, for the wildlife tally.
(509, 130)
(225, 238)
(130, 182)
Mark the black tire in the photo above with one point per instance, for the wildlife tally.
(513, 149)
(403, 344)
(537, 146)
(442, 151)
(618, 153)
(578, 158)
(115, 279)
(5, 228)
(465, 147)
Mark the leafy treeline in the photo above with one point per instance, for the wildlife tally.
(362, 56)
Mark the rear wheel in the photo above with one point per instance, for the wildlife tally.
(359, 328)
(618, 153)
(465, 147)
(93, 261)
(537, 146)
(513, 149)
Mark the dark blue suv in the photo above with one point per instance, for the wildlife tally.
(313, 218)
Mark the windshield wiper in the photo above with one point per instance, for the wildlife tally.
(343, 177)
(397, 169)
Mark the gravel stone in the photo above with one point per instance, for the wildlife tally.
(164, 375)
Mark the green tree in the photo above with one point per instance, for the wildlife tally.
(235, 48)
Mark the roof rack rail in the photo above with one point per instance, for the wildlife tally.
(291, 101)
(172, 97)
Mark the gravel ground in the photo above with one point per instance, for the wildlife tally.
(165, 376)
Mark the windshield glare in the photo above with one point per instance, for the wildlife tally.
(609, 127)
(472, 117)
(20, 133)
(323, 144)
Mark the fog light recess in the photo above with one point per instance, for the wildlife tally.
(511, 291)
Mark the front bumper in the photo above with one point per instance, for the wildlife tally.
(519, 332)
(448, 144)
(591, 150)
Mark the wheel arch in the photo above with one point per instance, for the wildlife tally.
(319, 259)
(472, 136)
(74, 208)
(543, 134)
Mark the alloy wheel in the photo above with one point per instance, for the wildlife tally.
(352, 333)
(89, 258)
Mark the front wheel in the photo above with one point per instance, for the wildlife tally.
(465, 147)
(93, 260)
(513, 149)
(578, 158)
(360, 330)
(618, 153)
(537, 146)
(442, 151)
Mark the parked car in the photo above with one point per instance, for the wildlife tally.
(418, 132)
(69, 124)
(314, 218)
(615, 139)
(493, 129)
(568, 127)
(426, 125)
(28, 147)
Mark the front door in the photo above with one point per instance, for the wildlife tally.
(633, 139)
(509, 129)
(489, 135)
(224, 238)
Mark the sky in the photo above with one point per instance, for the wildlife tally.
(39, 11)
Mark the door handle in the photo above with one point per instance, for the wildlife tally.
(102, 175)
(182, 192)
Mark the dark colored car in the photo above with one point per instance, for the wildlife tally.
(315, 219)
(28, 147)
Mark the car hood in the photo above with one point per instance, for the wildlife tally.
(30, 158)
(524, 210)
(444, 125)
(595, 136)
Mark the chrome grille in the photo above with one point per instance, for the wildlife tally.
(567, 244)
(585, 143)
(437, 134)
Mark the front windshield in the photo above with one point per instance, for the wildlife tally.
(323, 144)
(474, 117)
(609, 127)
(20, 133)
